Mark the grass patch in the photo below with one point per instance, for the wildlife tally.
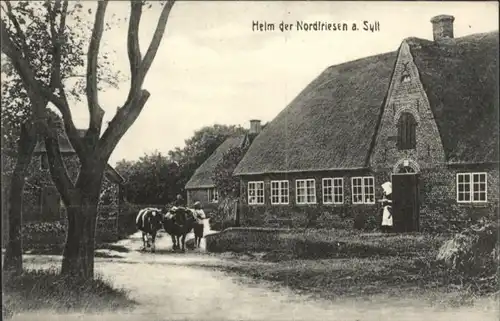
(364, 277)
(340, 263)
(46, 289)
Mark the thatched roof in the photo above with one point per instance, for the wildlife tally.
(332, 123)
(67, 149)
(460, 80)
(202, 177)
(64, 144)
(329, 125)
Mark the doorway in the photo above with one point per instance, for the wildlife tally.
(405, 202)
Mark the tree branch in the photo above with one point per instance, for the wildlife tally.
(119, 125)
(95, 111)
(17, 26)
(61, 102)
(64, 14)
(56, 37)
(137, 97)
(23, 69)
(57, 168)
(157, 37)
(133, 48)
(38, 106)
(37, 91)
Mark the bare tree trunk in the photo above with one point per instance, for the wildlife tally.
(78, 254)
(14, 252)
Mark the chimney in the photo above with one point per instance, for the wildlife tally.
(254, 127)
(442, 27)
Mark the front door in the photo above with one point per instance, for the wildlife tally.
(405, 202)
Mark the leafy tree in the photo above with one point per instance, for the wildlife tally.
(199, 147)
(28, 33)
(228, 187)
(226, 183)
(157, 178)
(93, 150)
(153, 179)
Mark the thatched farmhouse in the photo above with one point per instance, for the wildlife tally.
(42, 201)
(201, 186)
(424, 117)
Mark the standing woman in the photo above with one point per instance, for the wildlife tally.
(387, 207)
(199, 225)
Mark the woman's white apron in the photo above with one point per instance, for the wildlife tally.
(387, 216)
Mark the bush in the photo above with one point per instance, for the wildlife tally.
(224, 216)
(44, 237)
(472, 252)
(46, 289)
(126, 220)
(50, 237)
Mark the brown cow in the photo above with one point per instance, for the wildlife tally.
(178, 222)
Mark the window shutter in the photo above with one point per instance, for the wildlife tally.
(401, 132)
(412, 133)
(406, 131)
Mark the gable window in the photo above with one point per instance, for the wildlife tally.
(44, 162)
(255, 193)
(333, 190)
(405, 78)
(363, 190)
(305, 191)
(213, 195)
(472, 187)
(406, 131)
(279, 192)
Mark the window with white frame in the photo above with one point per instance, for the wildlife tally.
(255, 193)
(279, 192)
(213, 195)
(471, 187)
(363, 190)
(333, 190)
(305, 191)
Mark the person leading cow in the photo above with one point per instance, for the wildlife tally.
(199, 225)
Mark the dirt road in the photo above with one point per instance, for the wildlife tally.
(172, 286)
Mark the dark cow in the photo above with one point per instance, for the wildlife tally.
(178, 222)
(149, 221)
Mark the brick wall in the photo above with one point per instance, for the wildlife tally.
(346, 215)
(439, 209)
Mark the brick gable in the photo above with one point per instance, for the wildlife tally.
(407, 97)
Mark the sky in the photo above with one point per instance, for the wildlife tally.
(213, 68)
